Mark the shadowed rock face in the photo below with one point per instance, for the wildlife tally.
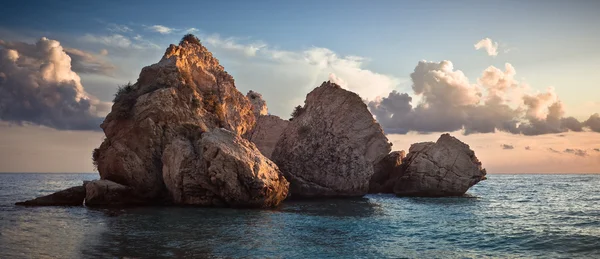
(73, 196)
(328, 150)
(171, 107)
(386, 173)
(447, 167)
(266, 133)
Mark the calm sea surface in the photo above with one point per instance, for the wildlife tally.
(509, 216)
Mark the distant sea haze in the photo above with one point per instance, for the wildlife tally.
(506, 216)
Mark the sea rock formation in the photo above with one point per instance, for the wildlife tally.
(175, 106)
(329, 148)
(447, 167)
(73, 196)
(268, 128)
(386, 172)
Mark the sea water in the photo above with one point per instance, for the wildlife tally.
(506, 216)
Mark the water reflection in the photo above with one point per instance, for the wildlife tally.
(349, 207)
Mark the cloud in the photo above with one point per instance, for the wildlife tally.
(527, 148)
(168, 30)
(450, 102)
(506, 146)
(230, 44)
(118, 28)
(259, 67)
(597, 149)
(160, 29)
(593, 122)
(577, 152)
(553, 150)
(119, 41)
(81, 61)
(85, 62)
(490, 47)
(37, 85)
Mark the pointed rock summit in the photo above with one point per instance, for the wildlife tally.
(157, 136)
(329, 147)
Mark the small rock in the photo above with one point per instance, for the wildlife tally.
(73, 196)
(447, 167)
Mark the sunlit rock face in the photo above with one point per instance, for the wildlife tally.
(175, 106)
(329, 147)
(447, 167)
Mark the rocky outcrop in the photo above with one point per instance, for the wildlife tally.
(221, 169)
(178, 100)
(73, 196)
(259, 105)
(266, 133)
(108, 193)
(386, 172)
(447, 167)
(328, 149)
(268, 128)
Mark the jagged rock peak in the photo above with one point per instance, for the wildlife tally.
(193, 61)
(259, 104)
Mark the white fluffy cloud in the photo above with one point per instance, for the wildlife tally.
(230, 44)
(490, 47)
(161, 29)
(168, 30)
(284, 77)
(119, 41)
(449, 102)
(38, 85)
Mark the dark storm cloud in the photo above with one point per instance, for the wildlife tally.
(38, 86)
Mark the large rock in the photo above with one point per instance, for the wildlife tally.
(221, 169)
(447, 167)
(329, 148)
(181, 97)
(386, 172)
(73, 196)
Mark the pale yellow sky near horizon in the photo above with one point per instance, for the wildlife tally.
(41, 149)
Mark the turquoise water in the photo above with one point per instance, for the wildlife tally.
(507, 216)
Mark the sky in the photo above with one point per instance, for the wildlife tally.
(516, 80)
